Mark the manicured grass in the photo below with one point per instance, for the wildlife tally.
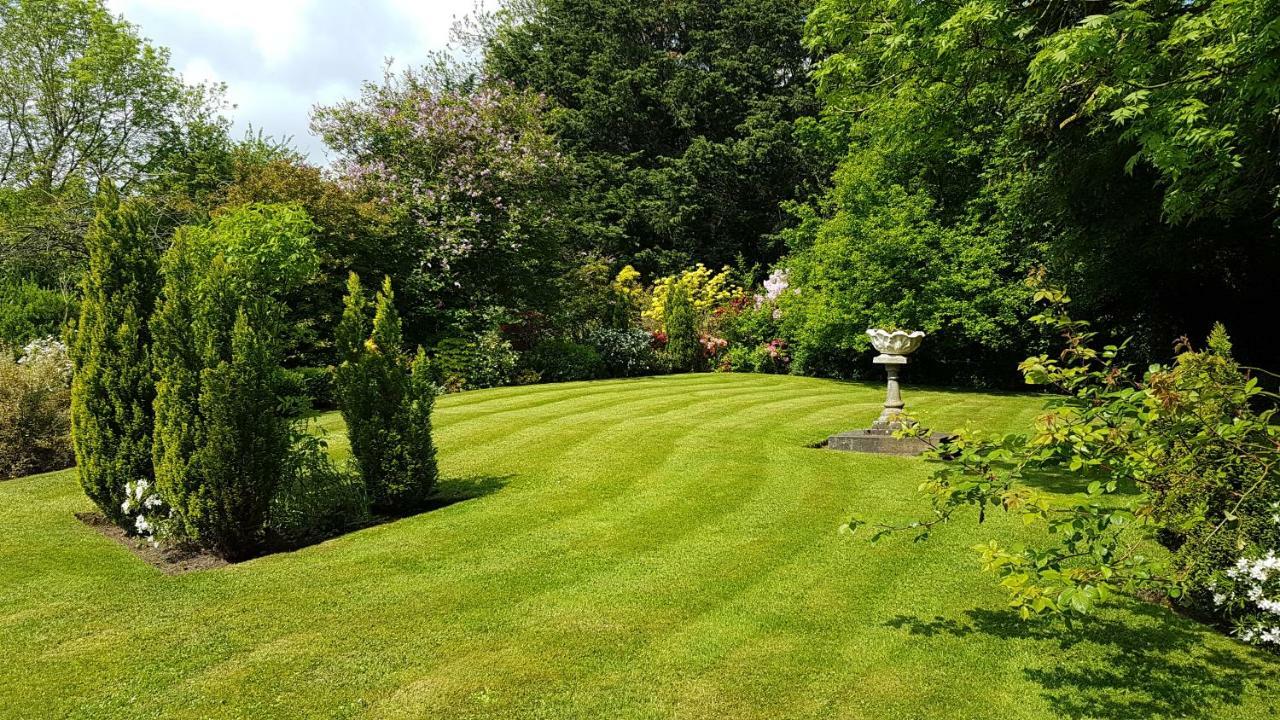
(634, 549)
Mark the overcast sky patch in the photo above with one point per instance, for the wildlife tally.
(281, 57)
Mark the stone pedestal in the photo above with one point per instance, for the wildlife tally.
(878, 440)
(893, 404)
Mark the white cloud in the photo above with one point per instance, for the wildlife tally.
(280, 57)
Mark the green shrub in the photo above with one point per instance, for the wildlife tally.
(35, 406)
(486, 360)
(559, 360)
(315, 499)
(386, 400)
(314, 386)
(223, 438)
(625, 353)
(683, 352)
(1185, 454)
(113, 389)
(770, 357)
(29, 311)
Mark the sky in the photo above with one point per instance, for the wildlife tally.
(278, 58)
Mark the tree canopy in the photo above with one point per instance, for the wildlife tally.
(1127, 146)
(682, 113)
(82, 97)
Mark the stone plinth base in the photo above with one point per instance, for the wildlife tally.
(879, 440)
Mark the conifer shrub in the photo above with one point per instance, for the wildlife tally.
(386, 399)
(223, 426)
(683, 351)
(112, 388)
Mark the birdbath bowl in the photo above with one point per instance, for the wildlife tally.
(895, 342)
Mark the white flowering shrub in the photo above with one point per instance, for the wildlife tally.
(50, 351)
(149, 514)
(1249, 594)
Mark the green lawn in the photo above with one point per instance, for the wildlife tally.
(634, 549)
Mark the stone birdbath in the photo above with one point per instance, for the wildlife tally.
(894, 346)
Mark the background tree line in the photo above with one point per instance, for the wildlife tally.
(897, 163)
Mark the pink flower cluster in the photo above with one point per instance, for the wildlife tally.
(712, 345)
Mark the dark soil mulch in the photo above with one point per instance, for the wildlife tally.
(170, 561)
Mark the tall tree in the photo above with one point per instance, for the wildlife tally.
(682, 112)
(82, 97)
(222, 432)
(477, 189)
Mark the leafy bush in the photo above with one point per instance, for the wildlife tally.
(486, 360)
(35, 407)
(314, 385)
(1198, 441)
(29, 311)
(770, 357)
(752, 328)
(559, 360)
(704, 291)
(223, 432)
(113, 390)
(386, 400)
(315, 499)
(625, 353)
(901, 266)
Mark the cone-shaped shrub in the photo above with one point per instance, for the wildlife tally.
(222, 439)
(386, 400)
(112, 387)
(683, 350)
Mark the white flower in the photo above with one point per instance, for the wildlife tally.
(776, 284)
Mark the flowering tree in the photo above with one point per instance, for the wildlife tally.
(475, 180)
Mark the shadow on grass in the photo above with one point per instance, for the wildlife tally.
(1121, 670)
(1061, 481)
(451, 491)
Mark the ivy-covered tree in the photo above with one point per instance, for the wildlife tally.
(386, 399)
(223, 433)
(112, 386)
(682, 114)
